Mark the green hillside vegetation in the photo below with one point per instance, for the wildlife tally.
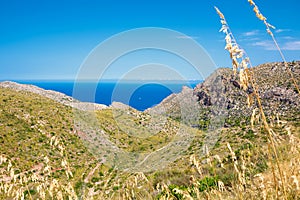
(234, 136)
(30, 126)
(137, 131)
(44, 153)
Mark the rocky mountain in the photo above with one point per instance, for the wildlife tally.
(219, 101)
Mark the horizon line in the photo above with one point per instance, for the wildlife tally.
(92, 80)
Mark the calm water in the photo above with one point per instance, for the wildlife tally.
(139, 95)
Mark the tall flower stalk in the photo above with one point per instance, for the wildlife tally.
(269, 28)
(241, 64)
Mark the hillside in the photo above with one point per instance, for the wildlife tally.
(191, 145)
(45, 139)
(219, 101)
(54, 95)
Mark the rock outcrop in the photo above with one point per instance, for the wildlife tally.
(219, 100)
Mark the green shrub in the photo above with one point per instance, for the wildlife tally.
(207, 183)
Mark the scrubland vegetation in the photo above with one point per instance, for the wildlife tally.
(256, 155)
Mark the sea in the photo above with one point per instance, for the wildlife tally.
(137, 94)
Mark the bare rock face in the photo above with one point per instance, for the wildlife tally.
(56, 96)
(221, 101)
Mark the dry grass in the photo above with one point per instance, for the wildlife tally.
(19, 185)
(247, 183)
(269, 28)
(264, 165)
(247, 80)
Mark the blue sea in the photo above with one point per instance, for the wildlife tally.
(138, 94)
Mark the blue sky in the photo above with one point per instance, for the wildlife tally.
(51, 39)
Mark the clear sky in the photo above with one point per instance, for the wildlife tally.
(50, 39)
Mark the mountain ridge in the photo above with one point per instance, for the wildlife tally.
(220, 95)
(51, 94)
